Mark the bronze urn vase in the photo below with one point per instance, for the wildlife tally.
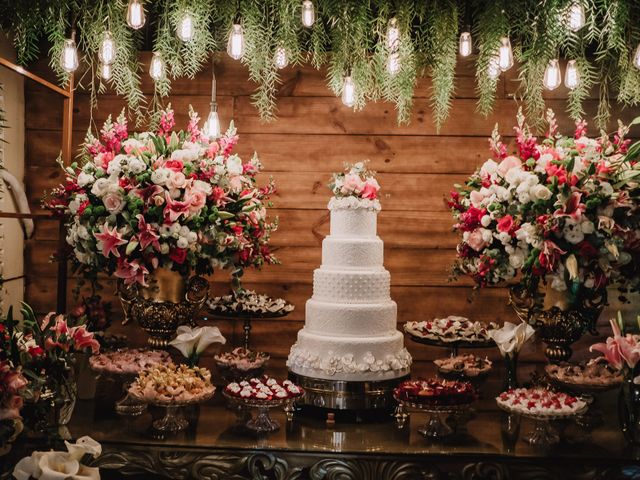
(559, 322)
(169, 300)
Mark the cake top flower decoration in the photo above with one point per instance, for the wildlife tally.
(355, 181)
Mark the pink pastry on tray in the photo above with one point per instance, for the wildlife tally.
(127, 361)
(540, 401)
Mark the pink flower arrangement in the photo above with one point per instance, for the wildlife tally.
(356, 181)
(622, 352)
(561, 211)
(12, 383)
(169, 199)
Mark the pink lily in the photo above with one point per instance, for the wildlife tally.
(147, 235)
(131, 272)
(111, 240)
(174, 209)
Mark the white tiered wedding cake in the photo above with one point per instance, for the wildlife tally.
(350, 329)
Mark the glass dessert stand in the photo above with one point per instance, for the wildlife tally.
(233, 373)
(434, 428)
(592, 416)
(247, 317)
(173, 420)
(262, 422)
(543, 435)
(128, 405)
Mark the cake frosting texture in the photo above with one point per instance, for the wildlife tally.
(350, 329)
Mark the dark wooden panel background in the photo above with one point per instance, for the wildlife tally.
(313, 136)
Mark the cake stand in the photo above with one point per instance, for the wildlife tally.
(435, 428)
(543, 434)
(592, 416)
(263, 423)
(247, 317)
(173, 420)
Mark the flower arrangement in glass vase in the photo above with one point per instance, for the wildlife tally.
(164, 199)
(43, 351)
(560, 218)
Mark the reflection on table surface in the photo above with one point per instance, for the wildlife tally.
(488, 431)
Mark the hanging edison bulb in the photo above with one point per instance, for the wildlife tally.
(235, 46)
(465, 45)
(348, 92)
(281, 58)
(69, 56)
(212, 125)
(575, 16)
(156, 68)
(552, 75)
(393, 63)
(636, 58)
(572, 75)
(135, 14)
(185, 30)
(505, 54)
(105, 71)
(107, 50)
(493, 68)
(393, 35)
(308, 13)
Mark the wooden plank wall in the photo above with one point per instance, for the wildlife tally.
(313, 136)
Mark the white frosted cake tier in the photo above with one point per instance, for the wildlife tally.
(349, 286)
(344, 252)
(354, 320)
(350, 223)
(350, 359)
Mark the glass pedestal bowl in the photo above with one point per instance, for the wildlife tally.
(434, 428)
(173, 420)
(262, 422)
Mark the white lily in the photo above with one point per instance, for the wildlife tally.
(511, 337)
(193, 341)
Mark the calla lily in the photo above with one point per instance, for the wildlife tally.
(83, 446)
(511, 337)
(57, 466)
(571, 265)
(87, 473)
(193, 341)
(28, 467)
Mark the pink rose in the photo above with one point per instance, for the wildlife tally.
(114, 202)
(196, 200)
(476, 240)
(352, 184)
(175, 165)
(476, 197)
(177, 180)
(508, 163)
(505, 224)
(371, 188)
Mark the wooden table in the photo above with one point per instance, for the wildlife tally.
(308, 448)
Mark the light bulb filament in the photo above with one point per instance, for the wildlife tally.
(308, 13)
(465, 45)
(235, 47)
(135, 14)
(348, 92)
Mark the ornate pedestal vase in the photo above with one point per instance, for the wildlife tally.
(168, 302)
(558, 322)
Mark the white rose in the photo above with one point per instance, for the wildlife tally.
(489, 168)
(114, 202)
(504, 237)
(164, 248)
(487, 236)
(540, 192)
(160, 176)
(234, 165)
(516, 259)
(485, 221)
(182, 242)
(203, 186)
(85, 179)
(133, 144)
(100, 187)
(606, 188)
(136, 165)
(83, 232)
(192, 237)
(587, 227)
(114, 167)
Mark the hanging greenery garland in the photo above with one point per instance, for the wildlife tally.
(373, 49)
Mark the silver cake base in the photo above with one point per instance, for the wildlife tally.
(346, 395)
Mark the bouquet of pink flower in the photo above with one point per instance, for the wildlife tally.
(622, 352)
(177, 200)
(12, 383)
(356, 181)
(561, 210)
